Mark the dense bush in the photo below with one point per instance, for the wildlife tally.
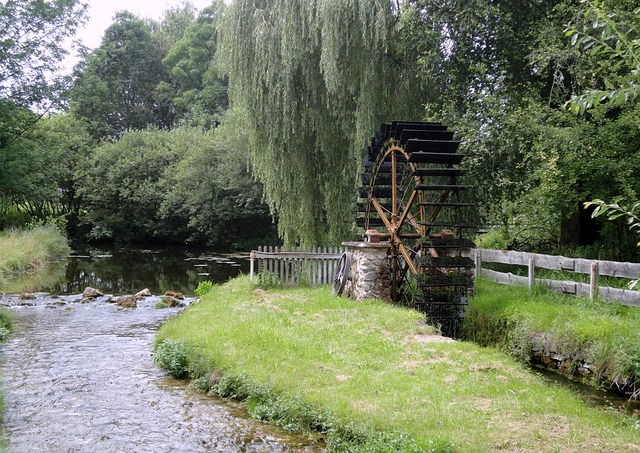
(175, 186)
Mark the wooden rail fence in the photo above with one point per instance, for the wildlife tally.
(294, 266)
(593, 268)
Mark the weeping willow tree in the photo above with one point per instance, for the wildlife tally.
(314, 78)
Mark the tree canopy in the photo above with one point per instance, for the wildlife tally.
(32, 35)
(116, 91)
(315, 78)
(289, 92)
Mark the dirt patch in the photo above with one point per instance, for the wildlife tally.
(425, 338)
(484, 405)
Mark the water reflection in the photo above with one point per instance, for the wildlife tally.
(128, 270)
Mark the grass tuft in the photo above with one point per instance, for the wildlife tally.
(6, 324)
(173, 355)
(29, 251)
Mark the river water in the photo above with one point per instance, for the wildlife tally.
(128, 270)
(79, 377)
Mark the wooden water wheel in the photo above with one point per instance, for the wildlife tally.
(410, 194)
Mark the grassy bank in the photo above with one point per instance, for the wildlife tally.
(603, 336)
(372, 377)
(29, 251)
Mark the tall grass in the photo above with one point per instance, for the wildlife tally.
(373, 377)
(28, 251)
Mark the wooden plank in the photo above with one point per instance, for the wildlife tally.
(622, 296)
(578, 265)
(324, 267)
(605, 293)
(285, 270)
(505, 278)
(566, 286)
(505, 257)
(615, 269)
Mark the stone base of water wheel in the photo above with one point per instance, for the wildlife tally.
(368, 276)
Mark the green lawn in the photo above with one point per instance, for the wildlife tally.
(374, 377)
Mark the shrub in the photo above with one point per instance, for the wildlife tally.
(173, 356)
(203, 288)
(495, 239)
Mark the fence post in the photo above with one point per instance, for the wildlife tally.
(593, 281)
(532, 272)
(478, 263)
(251, 258)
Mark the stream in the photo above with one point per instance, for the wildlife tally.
(79, 376)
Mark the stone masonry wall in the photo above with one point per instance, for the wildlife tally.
(369, 272)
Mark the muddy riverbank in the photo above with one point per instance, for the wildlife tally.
(80, 377)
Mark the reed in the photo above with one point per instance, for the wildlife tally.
(29, 251)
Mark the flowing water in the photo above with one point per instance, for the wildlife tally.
(79, 376)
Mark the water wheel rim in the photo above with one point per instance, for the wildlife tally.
(343, 269)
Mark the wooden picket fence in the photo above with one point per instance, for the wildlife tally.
(294, 266)
(593, 268)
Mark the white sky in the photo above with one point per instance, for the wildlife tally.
(101, 14)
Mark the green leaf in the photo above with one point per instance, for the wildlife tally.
(574, 38)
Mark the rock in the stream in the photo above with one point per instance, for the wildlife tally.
(174, 294)
(170, 301)
(126, 301)
(144, 293)
(91, 293)
(27, 296)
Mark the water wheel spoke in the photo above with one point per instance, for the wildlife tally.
(381, 212)
(406, 213)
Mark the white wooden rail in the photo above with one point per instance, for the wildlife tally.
(593, 268)
(295, 265)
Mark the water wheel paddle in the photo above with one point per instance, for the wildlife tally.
(409, 192)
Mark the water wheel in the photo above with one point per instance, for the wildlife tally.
(410, 194)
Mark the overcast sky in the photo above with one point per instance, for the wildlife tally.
(101, 14)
